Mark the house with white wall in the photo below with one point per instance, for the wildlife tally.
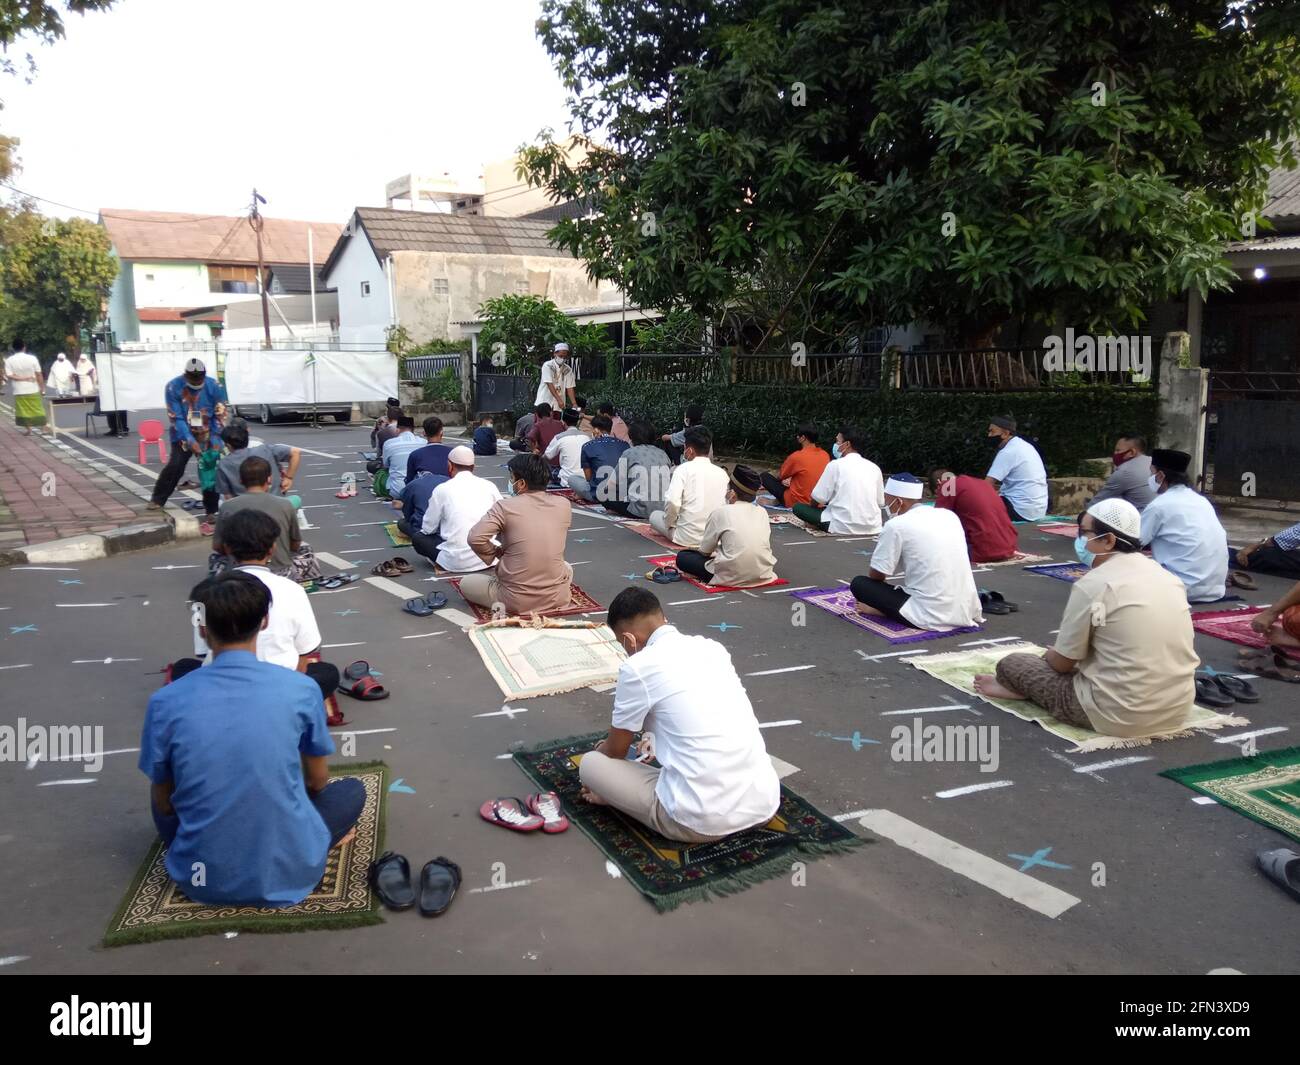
(173, 265)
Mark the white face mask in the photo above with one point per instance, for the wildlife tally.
(1154, 484)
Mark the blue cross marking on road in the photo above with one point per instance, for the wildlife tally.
(1039, 857)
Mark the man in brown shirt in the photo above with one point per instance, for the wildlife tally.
(529, 527)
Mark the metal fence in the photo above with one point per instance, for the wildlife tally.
(420, 367)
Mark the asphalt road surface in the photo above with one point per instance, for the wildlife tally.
(1163, 884)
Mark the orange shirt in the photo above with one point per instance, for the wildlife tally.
(804, 468)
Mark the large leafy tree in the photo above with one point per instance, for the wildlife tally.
(820, 166)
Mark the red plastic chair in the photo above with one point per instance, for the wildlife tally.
(151, 432)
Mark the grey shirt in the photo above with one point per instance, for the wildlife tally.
(1129, 482)
(524, 424)
(643, 474)
(228, 482)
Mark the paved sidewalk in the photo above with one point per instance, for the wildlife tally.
(45, 497)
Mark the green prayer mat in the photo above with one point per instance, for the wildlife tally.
(395, 536)
(155, 908)
(669, 873)
(1263, 787)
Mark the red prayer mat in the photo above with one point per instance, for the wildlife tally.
(671, 560)
(579, 603)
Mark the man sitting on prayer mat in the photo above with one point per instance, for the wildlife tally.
(523, 534)
(642, 476)
(432, 458)
(1123, 664)
(397, 453)
(716, 777)
(800, 472)
(292, 557)
(599, 460)
(1183, 531)
(236, 758)
(564, 452)
(545, 428)
(850, 492)
(926, 546)
(1132, 473)
(736, 548)
(990, 536)
(1017, 472)
(414, 505)
(696, 490)
(1280, 623)
(455, 507)
(1278, 555)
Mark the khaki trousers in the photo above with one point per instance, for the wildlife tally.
(630, 788)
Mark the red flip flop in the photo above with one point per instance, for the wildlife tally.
(510, 813)
(361, 684)
(546, 805)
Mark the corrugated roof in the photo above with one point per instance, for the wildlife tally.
(1279, 243)
(158, 236)
(557, 212)
(294, 277)
(1283, 196)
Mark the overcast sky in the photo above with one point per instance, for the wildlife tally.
(185, 105)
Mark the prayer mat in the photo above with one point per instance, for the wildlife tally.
(579, 603)
(671, 560)
(1232, 625)
(840, 602)
(1264, 787)
(1070, 529)
(644, 528)
(1061, 571)
(395, 536)
(669, 873)
(958, 669)
(568, 494)
(799, 524)
(1020, 558)
(546, 657)
(155, 907)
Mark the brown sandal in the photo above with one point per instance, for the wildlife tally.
(385, 569)
(402, 565)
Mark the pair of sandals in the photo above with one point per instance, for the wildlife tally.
(1282, 866)
(1270, 662)
(390, 879)
(542, 810)
(360, 683)
(347, 491)
(664, 575)
(993, 603)
(422, 606)
(1219, 690)
(392, 567)
(339, 580)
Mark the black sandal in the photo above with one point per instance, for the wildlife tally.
(390, 879)
(439, 881)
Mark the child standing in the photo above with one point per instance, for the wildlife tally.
(208, 459)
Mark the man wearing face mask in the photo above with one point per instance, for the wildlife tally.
(716, 777)
(1183, 531)
(847, 498)
(558, 382)
(736, 548)
(927, 548)
(1123, 664)
(1017, 472)
(696, 490)
(1129, 481)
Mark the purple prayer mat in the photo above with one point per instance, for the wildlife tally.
(840, 601)
(1061, 571)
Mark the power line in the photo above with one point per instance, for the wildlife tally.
(111, 214)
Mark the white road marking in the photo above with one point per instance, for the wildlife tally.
(1205, 800)
(175, 567)
(502, 887)
(892, 654)
(783, 591)
(362, 550)
(588, 528)
(360, 643)
(48, 569)
(852, 815)
(783, 769)
(506, 711)
(952, 793)
(1094, 767)
(796, 543)
(779, 724)
(613, 870)
(926, 710)
(687, 602)
(322, 454)
(335, 561)
(101, 661)
(359, 524)
(334, 475)
(85, 756)
(85, 604)
(14, 959)
(391, 587)
(1238, 737)
(1011, 883)
(999, 639)
(359, 731)
(787, 669)
(74, 780)
(25, 665)
(422, 635)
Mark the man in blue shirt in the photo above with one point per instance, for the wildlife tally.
(397, 451)
(1017, 472)
(1183, 531)
(600, 457)
(1279, 554)
(193, 400)
(236, 756)
(414, 501)
(432, 458)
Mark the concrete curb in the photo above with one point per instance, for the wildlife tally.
(91, 546)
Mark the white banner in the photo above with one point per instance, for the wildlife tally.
(136, 380)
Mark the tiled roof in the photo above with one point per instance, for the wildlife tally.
(557, 212)
(159, 236)
(294, 277)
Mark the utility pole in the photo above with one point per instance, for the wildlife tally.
(255, 220)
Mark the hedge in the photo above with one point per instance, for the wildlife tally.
(912, 431)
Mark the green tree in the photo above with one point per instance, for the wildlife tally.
(519, 333)
(832, 164)
(54, 277)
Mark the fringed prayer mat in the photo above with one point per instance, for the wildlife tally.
(395, 536)
(1264, 787)
(797, 523)
(670, 873)
(840, 602)
(1020, 558)
(1232, 625)
(644, 528)
(579, 603)
(671, 560)
(958, 669)
(568, 494)
(546, 657)
(156, 908)
(1061, 571)
(1070, 529)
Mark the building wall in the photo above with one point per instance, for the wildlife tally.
(171, 285)
(362, 319)
(169, 332)
(121, 304)
(471, 279)
(505, 195)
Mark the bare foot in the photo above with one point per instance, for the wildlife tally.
(869, 611)
(348, 838)
(987, 684)
(590, 796)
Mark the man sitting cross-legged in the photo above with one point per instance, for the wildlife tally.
(990, 536)
(236, 756)
(847, 498)
(1183, 531)
(926, 547)
(291, 557)
(599, 459)
(800, 472)
(696, 490)
(717, 777)
(1280, 625)
(736, 549)
(455, 507)
(1123, 664)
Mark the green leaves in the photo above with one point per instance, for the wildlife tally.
(520, 333)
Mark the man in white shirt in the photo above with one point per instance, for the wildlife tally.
(1017, 472)
(716, 777)
(927, 548)
(850, 492)
(455, 507)
(558, 382)
(696, 490)
(566, 447)
(1182, 530)
(27, 382)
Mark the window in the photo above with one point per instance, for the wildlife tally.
(440, 286)
(365, 288)
(521, 288)
(148, 277)
(223, 278)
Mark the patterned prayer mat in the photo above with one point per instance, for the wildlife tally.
(644, 528)
(958, 669)
(1070, 529)
(396, 537)
(1232, 625)
(797, 523)
(1020, 558)
(1061, 571)
(155, 908)
(568, 494)
(579, 603)
(671, 560)
(670, 873)
(1264, 787)
(547, 658)
(840, 602)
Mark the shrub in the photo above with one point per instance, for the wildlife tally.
(444, 386)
